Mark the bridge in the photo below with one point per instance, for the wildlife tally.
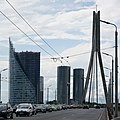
(96, 65)
(69, 114)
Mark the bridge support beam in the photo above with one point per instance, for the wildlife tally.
(96, 52)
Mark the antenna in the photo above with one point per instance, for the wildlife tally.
(96, 7)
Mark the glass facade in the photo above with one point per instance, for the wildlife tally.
(24, 75)
(63, 84)
(41, 88)
(78, 85)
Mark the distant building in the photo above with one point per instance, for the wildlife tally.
(63, 84)
(24, 68)
(78, 85)
(41, 88)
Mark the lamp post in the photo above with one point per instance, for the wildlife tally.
(116, 67)
(48, 92)
(68, 85)
(111, 74)
(0, 81)
(110, 92)
(109, 85)
(55, 94)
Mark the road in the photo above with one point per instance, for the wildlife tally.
(71, 114)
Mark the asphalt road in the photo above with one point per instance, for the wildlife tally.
(71, 114)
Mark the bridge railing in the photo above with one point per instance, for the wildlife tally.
(103, 115)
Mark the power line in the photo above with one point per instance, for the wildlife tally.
(26, 35)
(29, 24)
(74, 55)
(54, 76)
(40, 36)
(35, 31)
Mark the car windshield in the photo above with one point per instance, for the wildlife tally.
(3, 105)
(23, 106)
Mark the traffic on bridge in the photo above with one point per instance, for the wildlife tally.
(65, 113)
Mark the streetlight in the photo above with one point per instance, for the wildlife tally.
(116, 67)
(48, 93)
(68, 85)
(0, 81)
(110, 81)
(112, 73)
(110, 91)
(55, 94)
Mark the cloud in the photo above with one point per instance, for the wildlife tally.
(60, 21)
(79, 1)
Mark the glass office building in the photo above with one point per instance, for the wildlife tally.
(78, 85)
(63, 84)
(41, 89)
(24, 76)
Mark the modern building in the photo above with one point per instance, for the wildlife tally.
(63, 84)
(41, 88)
(78, 85)
(24, 75)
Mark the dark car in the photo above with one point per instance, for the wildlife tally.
(97, 106)
(49, 108)
(85, 106)
(64, 107)
(34, 110)
(6, 110)
(14, 108)
(40, 108)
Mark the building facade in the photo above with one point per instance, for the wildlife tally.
(41, 89)
(63, 84)
(24, 75)
(78, 85)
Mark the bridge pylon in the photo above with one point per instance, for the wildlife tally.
(95, 53)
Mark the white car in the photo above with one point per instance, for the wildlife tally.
(24, 109)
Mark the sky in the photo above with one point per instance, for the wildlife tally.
(66, 26)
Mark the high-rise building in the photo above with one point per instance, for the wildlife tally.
(24, 68)
(78, 85)
(63, 84)
(41, 88)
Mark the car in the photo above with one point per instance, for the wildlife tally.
(34, 110)
(24, 109)
(14, 108)
(40, 108)
(79, 106)
(85, 106)
(64, 107)
(6, 110)
(97, 106)
(54, 107)
(59, 107)
(48, 108)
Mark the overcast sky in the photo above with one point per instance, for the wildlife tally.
(66, 25)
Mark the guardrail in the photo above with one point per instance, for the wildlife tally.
(103, 115)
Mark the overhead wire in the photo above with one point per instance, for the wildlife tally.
(74, 55)
(27, 35)
(37, 32)
(54, 59)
